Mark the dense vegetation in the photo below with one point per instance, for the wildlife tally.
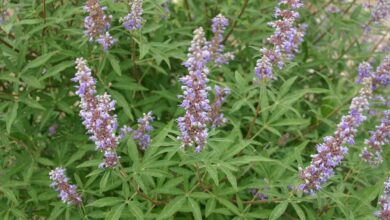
(244, 158)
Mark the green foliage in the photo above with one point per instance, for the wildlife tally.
(272, 130)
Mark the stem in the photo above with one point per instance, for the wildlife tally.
(133, 55)
(187, 7)
(236, 21)
(379, 43)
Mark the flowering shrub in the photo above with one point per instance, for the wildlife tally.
(184, 109)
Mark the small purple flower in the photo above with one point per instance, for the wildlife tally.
(4, 15)
(384, 202)
(193, 125)
(332, 151)
(67, 192)
(382, 75)
(133, 20)
(106, 40)
(285, 40)
(259, 194)
(52, 130)
(142, 134)
(217, 118)
(165, 6)
(95, 111)
(381, 10)
(364, 70)
(215, 46)
(372, 154)
(332, 9)
(97, 24)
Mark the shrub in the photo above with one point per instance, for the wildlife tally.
(194, 109)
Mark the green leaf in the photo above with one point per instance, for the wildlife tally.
(107, 201)
(116, 212)
(213, 173)
(136, 211)
(115, 64)
(195, 209)
(229, 205)
(31, 103)
(299, 211)
(39, 61)
(278, 211)
(11, 116)
(231, 178)
(172, 207)
(9, 194)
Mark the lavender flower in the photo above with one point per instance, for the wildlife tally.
(217, 118)
(380, 10)
(372, 153)
(95, 111)
(258, 194)
(332, 9)
(133, 20)
(364, 70)
(165, 6)
(141, 135)
(285, 40)
(384, 202)
(332, 151)
(215, 46)
(67, 192)
(380, 77)
(52, 130)
(4, 15)
(97, 24)
(193, 125)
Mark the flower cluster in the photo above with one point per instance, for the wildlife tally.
(285, 40)
(193, 125)
(67, 192)
(165, 6)
(380, 77)
(142, 134)
(4, 15)
(372, 153)
(384, 202)
(217, 118)
(133, 20)
(332, 152)
(97, 23)
(381, 10)
(259, 194)
(95, 111)
(215, 46)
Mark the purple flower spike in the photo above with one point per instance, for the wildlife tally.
(97, 24)
(384, 202)
(332, 151)
(95, 112)
(133, 20)
(67, 192)
(365, 70)
(372, 154)
(381, 10)
(285, 40)
(219, 24)
(382, 75)
(142, 134)
(217, 118)
(193, 125)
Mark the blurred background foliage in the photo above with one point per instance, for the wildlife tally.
(272, 129)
